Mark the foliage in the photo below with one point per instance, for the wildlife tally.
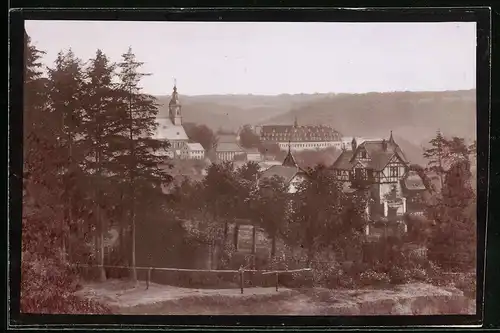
(248, 171)
(268, 203)
(323, 215)
(453, 243)
(372, 277)
(248, 138)
(201, 134)
(75, 181)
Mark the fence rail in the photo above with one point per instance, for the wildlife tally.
(240, 271)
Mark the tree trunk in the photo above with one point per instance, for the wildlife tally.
(100, 259)
(134, 269)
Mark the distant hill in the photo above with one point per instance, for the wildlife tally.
(233, 111)
(414, 116)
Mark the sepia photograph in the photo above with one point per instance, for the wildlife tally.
(249, 168)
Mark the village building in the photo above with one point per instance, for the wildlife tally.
(253, 155)
(289, 171)
(227, 148)
(380, 170)
(300, 138)
(193, 151)
(171, 128)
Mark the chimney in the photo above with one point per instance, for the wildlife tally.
(354, 144)
(384, 145)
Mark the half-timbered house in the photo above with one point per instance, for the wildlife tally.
(381, 170)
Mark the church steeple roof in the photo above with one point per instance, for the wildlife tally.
(175, 96)
(391, 139)
(289, 159)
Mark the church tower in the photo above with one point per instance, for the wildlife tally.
(174, 108)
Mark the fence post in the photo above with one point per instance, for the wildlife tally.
(241, 279)
(148, 278)
(277, 281)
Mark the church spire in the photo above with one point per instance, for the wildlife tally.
(289, 159)
(175, 107)
(391, 139)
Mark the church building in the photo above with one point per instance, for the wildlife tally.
(171, 128)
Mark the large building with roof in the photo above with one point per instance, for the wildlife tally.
(172, 130)
(301, 137)
(380, 169)
(227, 147)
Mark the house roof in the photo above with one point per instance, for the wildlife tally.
(227, 138)
(195, 146)
(307, 133)
(285, 172)
(228, 147)
(168, 131)
(378, 155)
(343, 162)
(413, 182)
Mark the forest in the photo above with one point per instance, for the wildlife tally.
(90, 165)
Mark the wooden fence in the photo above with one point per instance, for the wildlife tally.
(240, 271)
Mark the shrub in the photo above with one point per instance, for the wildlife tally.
(467, 283)
(48, 287)
(373, 278)
(399, 276)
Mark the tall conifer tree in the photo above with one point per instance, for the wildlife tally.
(144, 160)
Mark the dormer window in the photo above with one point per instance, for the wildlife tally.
(363, 154)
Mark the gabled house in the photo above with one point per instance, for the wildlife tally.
(381, 170)
(289, 171)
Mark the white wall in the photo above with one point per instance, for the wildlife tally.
(301, 146)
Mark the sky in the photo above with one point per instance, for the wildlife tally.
(271, 58)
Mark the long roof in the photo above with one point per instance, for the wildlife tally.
(228, 147)
(195, 146)
(227, 138)
(166, 130)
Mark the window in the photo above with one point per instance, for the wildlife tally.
(394, 171)
(363, 154)
(358, 173)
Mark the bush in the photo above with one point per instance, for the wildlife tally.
(48, 287)
(467, 283)
(373, 278)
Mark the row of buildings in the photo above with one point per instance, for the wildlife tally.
(296, 137)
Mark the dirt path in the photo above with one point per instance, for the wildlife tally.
(422, 299)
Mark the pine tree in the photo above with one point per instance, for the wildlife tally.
(142, 163)
(65, 94)
(437, 155)
(453, 242)
(102, 124)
